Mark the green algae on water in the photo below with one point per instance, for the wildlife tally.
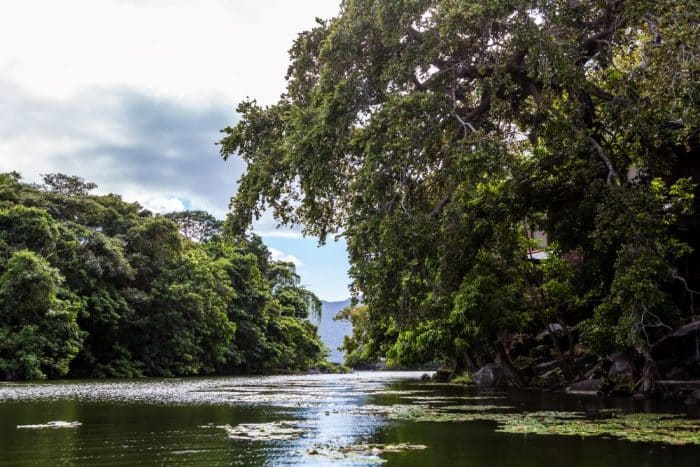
(361, 453)
(273, 431)
(640, 427)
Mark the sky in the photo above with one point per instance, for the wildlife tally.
(132, 95)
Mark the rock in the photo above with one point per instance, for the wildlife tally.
(678, 353)
(580, 350)
(442, 375)
(520, 345)
(620, 375)
(541, 352)
(425, 377)
(680, 344)
(523, 363)
(490, 375)
(621, 367)
(548, 366)
(585, 387)
(554, 328)
(552, 379)
(598, 370)
(585, 359)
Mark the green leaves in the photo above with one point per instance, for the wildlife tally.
(38, 330)
(433, 133)
(96, 287)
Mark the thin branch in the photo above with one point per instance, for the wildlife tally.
(658, 324)
(465, 124)
(440, 206)
(612, 173)
(690, 291)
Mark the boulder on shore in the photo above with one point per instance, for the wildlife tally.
(490, 375)
(621, 368)
(553, 328)
(549, 365)
(586, 387)
(620, 375)
(678, 354)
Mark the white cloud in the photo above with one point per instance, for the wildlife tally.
(162, 205)
(144, 148)
(279, 255)
(184, 49)
(132, 94)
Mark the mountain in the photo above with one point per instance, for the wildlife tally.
(332, 332)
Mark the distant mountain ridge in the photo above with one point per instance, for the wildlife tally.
(332, 332)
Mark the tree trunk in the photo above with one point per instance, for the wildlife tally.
(557, 347)
(464, 362)
(650, 374)
(511, 372)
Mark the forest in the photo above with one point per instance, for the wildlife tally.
(93, 286)
(444, 140)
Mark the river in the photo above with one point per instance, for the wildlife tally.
(354, 419)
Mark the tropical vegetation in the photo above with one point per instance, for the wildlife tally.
(436, 135)
(94, 286)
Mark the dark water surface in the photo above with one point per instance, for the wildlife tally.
(169, 422)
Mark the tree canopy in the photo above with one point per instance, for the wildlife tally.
(91, 285)
(434, 134)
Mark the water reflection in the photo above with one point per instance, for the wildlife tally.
(161, 422)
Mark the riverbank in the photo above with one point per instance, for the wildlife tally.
(557, 360)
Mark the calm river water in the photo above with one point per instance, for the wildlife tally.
(188, 421)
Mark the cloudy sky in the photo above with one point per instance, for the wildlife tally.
(131, 94)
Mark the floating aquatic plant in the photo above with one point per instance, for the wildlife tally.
(642, 427)
(477, 408)
(361, 453)
(273, 431)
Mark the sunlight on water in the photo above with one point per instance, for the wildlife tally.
(277, 391)
(353, 419)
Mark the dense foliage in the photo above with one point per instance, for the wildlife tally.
(95, 286)
(434, 135)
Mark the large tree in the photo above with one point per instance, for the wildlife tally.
(433, 133)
